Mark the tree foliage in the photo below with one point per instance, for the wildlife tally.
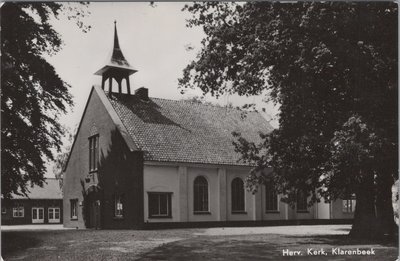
(332, 67)
(33, 94)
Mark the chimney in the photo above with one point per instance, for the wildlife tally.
(142, 93)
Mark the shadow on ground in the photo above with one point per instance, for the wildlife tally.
(262, 247)
(12, 242)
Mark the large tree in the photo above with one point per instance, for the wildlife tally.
(332, 68)
(33, 94)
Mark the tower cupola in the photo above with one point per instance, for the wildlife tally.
(116, 68)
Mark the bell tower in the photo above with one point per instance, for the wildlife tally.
(117, 68)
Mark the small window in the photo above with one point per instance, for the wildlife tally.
(349, 205)
(200, 195)
(74, 208)
(159, 205)
(119, 206)
(54, 215)
(18, 211)
(271, 198)
(3, 210)
(238, 196)
(93, 152)
(301, 203)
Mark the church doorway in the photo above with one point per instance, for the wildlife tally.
(93, 205)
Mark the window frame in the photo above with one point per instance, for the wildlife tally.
(349, 209)
(73, 209)
(54, 219)
(238, 199)
(121, 199)
(169, 204)
(3, 210)
(94, 153)
(18, 211)
(270, 192)
(204, 207)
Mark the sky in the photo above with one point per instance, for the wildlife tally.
(154, 41)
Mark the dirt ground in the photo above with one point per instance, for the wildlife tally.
(247, 243)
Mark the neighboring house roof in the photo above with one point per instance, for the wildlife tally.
(185, 131)
(51, 190)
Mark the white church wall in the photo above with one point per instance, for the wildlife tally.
(161, 179)
(323, 210)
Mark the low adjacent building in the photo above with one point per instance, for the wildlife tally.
(43, 205)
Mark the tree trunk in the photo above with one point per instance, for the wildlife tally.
(384, 206)
(365, 224)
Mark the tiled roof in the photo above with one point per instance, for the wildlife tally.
(51, 190)
(185, 131)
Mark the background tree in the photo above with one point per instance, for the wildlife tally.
(332, 67)
(62, 156)
(33, 94)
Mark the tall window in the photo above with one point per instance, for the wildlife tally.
(18, 211)
(349, 205)
(271, 198)
(301, 203)
(3, 210)
(200, 195)
(237, 195)
(159, 204)
(119, 206)
(74, 208)
(93, 152)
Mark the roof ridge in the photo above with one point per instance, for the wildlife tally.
(204, 104)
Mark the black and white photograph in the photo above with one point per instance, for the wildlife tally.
(258, 130)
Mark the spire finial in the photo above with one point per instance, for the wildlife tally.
(115, 22)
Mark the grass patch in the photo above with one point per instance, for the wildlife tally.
(176, 244)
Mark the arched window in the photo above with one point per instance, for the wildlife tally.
(200, 194)
(271, 198)
(237, 195)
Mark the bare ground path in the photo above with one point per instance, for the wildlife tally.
(245, 243)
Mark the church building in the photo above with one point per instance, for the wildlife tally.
(138, 161)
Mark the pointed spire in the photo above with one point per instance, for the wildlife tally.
(117, 68)
(117, 58)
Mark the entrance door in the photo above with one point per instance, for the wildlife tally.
(94, 209)
(95, 214)
(37, 215)
(54, 215)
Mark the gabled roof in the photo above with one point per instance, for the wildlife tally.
(51, 190)
(185, 131)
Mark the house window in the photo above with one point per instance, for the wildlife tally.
(238, 195)
(54, 215)
(119, 206)
(18, 211)
(3, 210)
(200, 195)
(74, 208)
(271, 198)
(301, 203)
(349, 205)
(93, 152)
(159, 204)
